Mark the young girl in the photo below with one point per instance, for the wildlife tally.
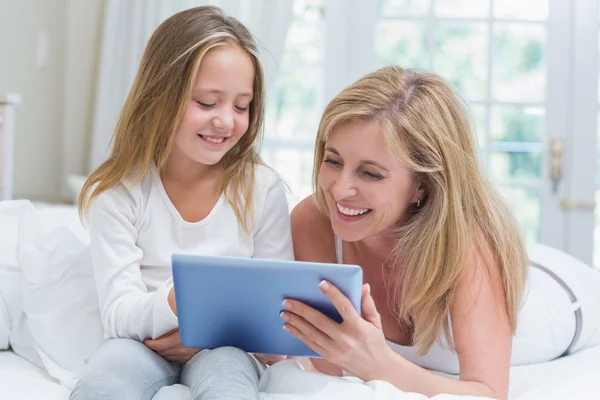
(184, 176)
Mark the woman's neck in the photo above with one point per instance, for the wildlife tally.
(381, 245)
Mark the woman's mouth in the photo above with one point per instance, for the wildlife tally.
(347, 213)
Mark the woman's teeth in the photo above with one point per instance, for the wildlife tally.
(213, 139)
(352, 211)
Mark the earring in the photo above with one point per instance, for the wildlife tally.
(418, 203)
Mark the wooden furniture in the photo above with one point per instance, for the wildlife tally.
(8, 103)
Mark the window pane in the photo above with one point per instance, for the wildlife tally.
(478, 123)
(598, 55)
(307, 11)
(510, 166)
(462, 8)
(295, 168)
(597, 232)
(294, 113)
(404, 7)
(597, 210)
(402, 43)
(598, 153)
(519, 9)
(462, 57)
(519, 62)
(518, 124)
(303, 45)
(525, 206)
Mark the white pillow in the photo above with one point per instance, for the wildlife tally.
(583, 280)
(18, 219)
(60, 301)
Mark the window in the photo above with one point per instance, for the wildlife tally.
(293, 112)
(494, 54)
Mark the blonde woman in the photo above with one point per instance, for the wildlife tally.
(400, 193)
(184, 176)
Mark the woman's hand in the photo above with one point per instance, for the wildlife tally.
(357, 345)
(170, 348)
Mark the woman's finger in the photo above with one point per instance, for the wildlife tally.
(369, 311)
(311, 332)
(314, 317)
(311, 345)
(341, 303)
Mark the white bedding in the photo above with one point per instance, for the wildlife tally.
(573, 377)
(576, 377)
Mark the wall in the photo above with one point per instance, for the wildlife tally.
(43, 42)
(84, 28)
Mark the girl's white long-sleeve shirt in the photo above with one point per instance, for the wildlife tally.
(134, 230)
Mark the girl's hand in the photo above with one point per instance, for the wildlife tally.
(357, 345)
(269, 359)
(170, 348)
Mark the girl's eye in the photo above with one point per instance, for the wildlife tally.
(205, 105)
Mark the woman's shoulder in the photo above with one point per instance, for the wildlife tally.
(307, 215)
(312, 233)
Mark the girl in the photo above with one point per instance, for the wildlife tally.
(184, 176)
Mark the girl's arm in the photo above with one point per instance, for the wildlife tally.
(272, 233)
(126, 307)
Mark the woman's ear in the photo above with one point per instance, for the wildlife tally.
(420, 191)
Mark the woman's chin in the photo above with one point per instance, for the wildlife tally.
(348, 234)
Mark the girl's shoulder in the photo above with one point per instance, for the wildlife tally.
(266, 177)
(128, 196)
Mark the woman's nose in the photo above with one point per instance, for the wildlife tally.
(344, 187)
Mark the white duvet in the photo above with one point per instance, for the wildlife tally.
(576, 377)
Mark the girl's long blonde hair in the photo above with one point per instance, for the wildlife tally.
(425, 125)
(158, 99)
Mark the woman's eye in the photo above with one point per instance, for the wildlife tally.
(241, 108)
(373, 175)
(332, 162)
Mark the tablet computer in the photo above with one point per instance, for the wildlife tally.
(230, 301)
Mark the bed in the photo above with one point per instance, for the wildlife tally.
(576, 376)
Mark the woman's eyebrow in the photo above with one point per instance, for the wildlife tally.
(366, 162)
(374, 164)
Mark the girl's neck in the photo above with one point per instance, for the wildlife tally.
(187, 172)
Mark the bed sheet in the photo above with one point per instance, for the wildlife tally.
(575, 377)
(22, 380)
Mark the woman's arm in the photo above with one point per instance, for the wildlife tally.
(482, 337)
(313, 240)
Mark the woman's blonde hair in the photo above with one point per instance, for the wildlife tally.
(159, 96)
(425, 125)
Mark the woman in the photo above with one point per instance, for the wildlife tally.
(399, 192)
